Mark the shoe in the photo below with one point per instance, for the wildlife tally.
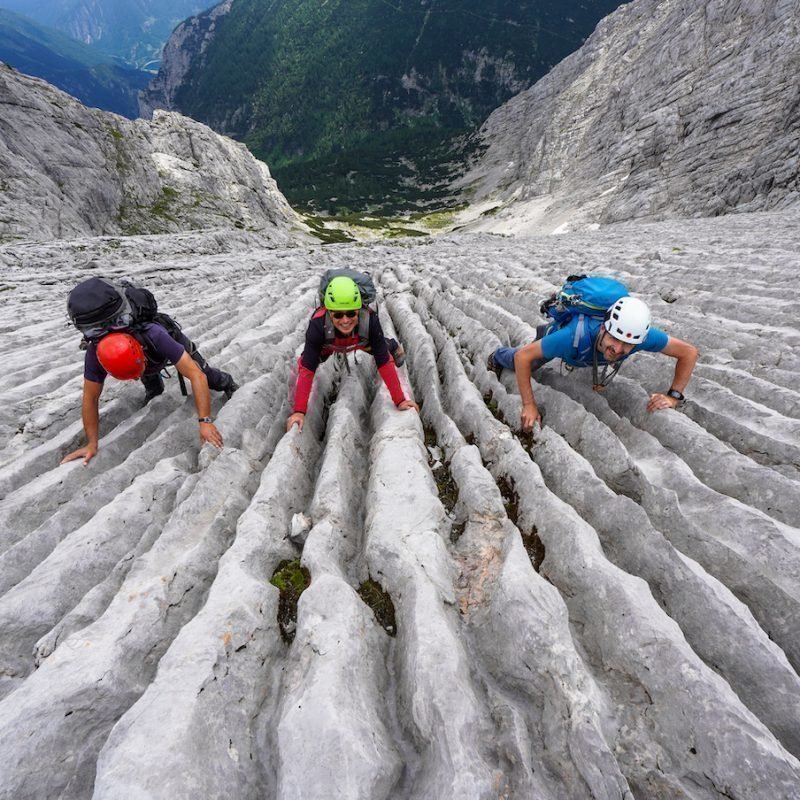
(399, 356)
(492, 365)
(230, 389)
(153, 387)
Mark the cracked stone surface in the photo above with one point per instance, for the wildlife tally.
(609, 609)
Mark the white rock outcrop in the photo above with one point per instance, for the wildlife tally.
(68, 171)
(672, 108)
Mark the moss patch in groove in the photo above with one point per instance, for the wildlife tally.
(372, 593)
(534, 547)
(291, 579)
(510, 498)
(445, 484)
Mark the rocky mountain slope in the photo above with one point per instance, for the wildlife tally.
(671, 108)
(610, 608)
(67, 171)
(92, 77)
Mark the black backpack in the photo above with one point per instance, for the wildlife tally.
(97, 306)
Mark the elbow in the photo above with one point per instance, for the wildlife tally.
(198, 378)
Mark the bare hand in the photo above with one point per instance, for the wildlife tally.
(406, 404)
(529, 417)
(660, 401)
(210, 434)
(298, 418)
(86, 453)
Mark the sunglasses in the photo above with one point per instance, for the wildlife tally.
(340, 314)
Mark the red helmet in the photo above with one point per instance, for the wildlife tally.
(122, 356)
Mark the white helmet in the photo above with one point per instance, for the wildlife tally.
(628, 320)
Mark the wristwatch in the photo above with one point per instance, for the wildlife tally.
(677, 395)
(205, 419)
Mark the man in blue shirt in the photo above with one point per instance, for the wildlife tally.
(598, 343)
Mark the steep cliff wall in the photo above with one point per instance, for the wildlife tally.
(672, 108)
(184, 51)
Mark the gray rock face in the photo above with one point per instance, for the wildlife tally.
(671, 108)
(69, 171)
(609, 609)
(187, 43)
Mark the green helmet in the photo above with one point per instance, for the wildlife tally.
(342, 295)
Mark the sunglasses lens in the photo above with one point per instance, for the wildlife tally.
(348, 314)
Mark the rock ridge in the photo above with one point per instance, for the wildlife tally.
(68, 171)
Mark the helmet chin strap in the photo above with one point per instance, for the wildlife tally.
(601, 379)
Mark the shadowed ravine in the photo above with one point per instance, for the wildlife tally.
(607, 609)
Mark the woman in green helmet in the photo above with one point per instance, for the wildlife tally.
(342, 325)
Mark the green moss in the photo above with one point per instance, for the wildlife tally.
(372, 593)
(291, 579)
(400, 233)
(324, 234)
(164, 205)
(438, 220)
(491, 404)
(121, 158)
(446, 485)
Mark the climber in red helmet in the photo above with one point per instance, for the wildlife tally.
(117, 345)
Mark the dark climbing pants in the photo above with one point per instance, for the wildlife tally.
(218, 380)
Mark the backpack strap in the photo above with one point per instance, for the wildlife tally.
(601, 379)
(327, 327)
(579, 329)
(363, 324)
(330, 330)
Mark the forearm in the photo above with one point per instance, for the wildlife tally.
(201, 394)
(522, 370)
(90, 415)
(388, 373)
(302, 389)
(683, 371)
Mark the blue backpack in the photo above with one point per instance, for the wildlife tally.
(589, 295)
(585, 296)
